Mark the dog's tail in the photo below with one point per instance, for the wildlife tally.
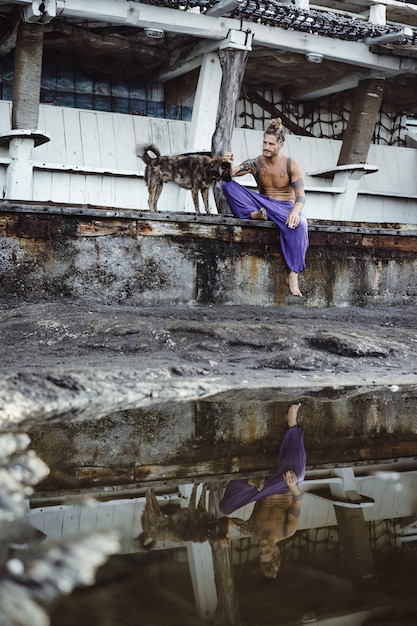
(148, 154)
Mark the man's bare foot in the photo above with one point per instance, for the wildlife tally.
(292, 414)
(293, 284)
(257, 482)
(259, 215)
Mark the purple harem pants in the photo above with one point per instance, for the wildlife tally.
(294, 241)
(291, 456)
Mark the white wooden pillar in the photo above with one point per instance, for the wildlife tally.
(25, 111)
(206, 103)
(344, 205)
(203, 120)
(20, 169)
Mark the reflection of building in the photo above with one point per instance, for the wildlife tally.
(316, 544)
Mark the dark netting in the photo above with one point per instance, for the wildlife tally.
(326, 118)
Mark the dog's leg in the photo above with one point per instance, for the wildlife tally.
(193, 498)
(202, 506)
(152, 503)
(194, 193)
(155, 190)
(205, 195)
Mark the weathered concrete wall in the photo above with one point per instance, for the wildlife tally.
(224, 436)
(142, 258)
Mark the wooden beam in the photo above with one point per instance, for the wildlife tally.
(361, 126)
(233, 63)
(271, 108)
(356, 547)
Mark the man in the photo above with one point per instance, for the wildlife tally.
(281, 198)
(277, 498)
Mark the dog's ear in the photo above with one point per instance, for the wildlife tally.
(226, 171)
(143, 542)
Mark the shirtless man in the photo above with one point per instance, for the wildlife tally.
(281, 198)
(277, 498)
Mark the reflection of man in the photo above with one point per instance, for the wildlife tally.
(277, 498)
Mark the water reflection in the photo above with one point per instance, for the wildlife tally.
(180, 563)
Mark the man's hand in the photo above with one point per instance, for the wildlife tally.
(229, 156)
(293, 219)
(290, 478)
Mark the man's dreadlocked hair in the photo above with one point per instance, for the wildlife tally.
(269, 569)
(276, 128)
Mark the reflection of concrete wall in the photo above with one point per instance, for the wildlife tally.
(219, 438)
(139, 260)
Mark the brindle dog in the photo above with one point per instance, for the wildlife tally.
(193, 523)
(196, 171)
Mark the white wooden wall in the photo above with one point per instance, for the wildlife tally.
(394, 498)
(91, 159)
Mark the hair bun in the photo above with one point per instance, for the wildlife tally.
(276, 128)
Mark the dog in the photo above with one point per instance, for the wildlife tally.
(195, 170)
(193, 523)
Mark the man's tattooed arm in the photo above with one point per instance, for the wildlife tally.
(247, 167)
(298, 186)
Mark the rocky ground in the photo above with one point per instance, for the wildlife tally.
(55, 353)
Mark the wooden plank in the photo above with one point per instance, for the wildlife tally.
(130, 194)
(53, 523)
(160, 136)
(124, 143)
(93, 187)
(141, 134)
(83, 169)
(178, 136)
(71, 521)
(103, 194)
(72, 137)
(90, 139)
(42, 186)
(5, 116)
(52, 122)
(107, 139)
(88, 519)
(60, 187)
(123, 515)
(396, 173)
(77, 183)
(105, 516)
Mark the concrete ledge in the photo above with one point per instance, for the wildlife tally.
(81, 251)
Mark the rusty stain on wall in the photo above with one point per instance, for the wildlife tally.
(114, 256)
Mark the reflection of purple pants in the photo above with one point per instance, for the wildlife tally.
(291, 456)
(294, 242)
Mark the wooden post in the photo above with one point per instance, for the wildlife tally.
(356, 548)
(361, 125)
(25, 110)
(356, 141)
(27, 76)
(227, 611)
(233, 63)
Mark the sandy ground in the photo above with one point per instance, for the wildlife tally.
(230, 346)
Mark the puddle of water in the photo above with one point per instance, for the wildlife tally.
(357, 514)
